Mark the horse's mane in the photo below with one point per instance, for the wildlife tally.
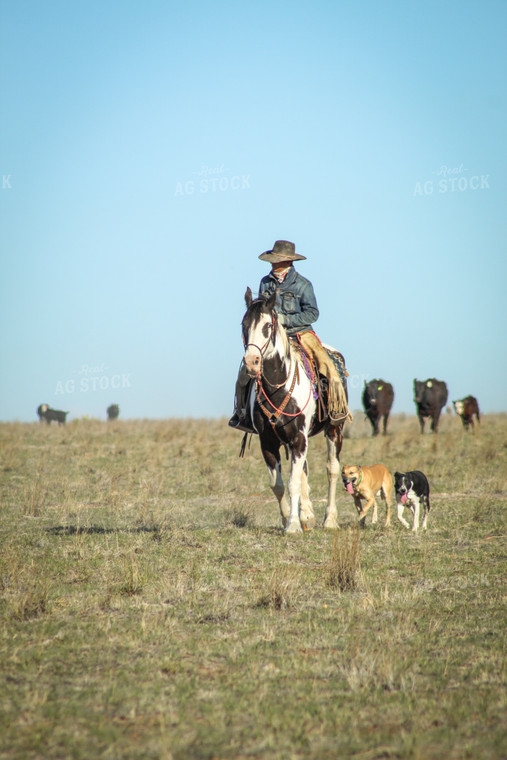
(285, 338)
(287, 347)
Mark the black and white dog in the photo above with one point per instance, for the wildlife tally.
(413, 491)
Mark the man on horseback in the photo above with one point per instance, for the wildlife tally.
(297, 309)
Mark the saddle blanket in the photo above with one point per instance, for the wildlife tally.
(338, 361)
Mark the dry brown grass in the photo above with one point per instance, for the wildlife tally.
(343, 568)
(151, 605)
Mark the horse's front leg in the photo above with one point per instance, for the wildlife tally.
(271, 456)
(333, 440)
(306, 514)
(294, 488)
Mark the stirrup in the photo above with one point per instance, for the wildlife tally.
(240, 423)
(340, 416)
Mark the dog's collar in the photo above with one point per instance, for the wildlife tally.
(360, 479)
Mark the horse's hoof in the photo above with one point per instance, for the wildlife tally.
(330, 524)
(293, 529)
(308, 524)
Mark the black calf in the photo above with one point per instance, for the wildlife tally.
(46, 414)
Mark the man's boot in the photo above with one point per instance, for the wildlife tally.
(240, 420)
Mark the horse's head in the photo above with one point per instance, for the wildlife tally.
(261, 330)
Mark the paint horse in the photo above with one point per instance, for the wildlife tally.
(285, 412)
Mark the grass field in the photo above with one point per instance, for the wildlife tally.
(151, 606)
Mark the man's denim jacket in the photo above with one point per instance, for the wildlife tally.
(295, 301)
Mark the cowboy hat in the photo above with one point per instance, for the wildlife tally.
(281, 251)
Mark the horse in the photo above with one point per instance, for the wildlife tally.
(285, 411)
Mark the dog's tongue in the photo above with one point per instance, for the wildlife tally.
(350, 489)
(404, 498)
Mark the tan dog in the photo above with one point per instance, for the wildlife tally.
(364, 483)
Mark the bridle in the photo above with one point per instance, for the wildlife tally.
(273, 416)
(272, 326)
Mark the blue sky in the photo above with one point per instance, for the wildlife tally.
(151, 151)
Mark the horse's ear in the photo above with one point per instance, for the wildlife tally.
(248, 297)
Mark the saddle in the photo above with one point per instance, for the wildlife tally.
(339, 362)
(320, 381)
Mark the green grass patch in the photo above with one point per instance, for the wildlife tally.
(151, 606)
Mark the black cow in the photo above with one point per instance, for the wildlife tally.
(377, 401)
(46, 414)
(430, 397)
(113, 411)
(467, 408)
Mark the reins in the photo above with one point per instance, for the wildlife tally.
(279, 410)
(276, 412)
(261, 352)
